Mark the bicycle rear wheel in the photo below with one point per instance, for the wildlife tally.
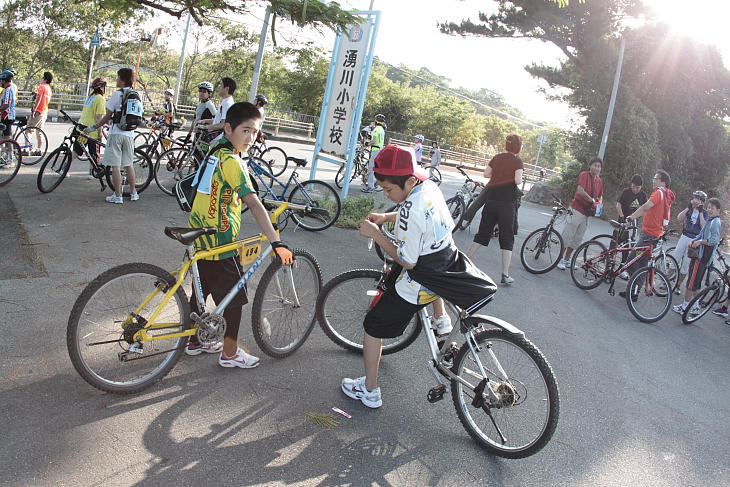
(588, 265)
(54, 169)
(541, 251)
(283, 313)
(457, 208)
(10, 160)
(669, 266)
(649, 294)
(523, 418)
(322, 202)
(342, 305)
(143, 173)
(105, 317)
(172, 166)
(435, 176)
(277, 159)
(702, 303)
(340, 176)
(27, 138)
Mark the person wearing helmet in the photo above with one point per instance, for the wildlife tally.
(259, 103)
(92, 113)
(205, 110)
(226, 88)
(39, 111)
(377, 139)
(418, 148)
(693, 217)
(8, 100)
(168, 108)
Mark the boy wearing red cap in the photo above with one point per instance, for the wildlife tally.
(424, 252)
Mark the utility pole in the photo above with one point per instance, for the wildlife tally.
(612, 103)
(259, 57)
(182, 60)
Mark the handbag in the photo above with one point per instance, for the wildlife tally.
(693, 252)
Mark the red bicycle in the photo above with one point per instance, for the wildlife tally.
(648, 293)
(10, 158)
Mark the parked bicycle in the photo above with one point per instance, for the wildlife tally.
(504, 390)
(359, 167)
(129, 326)
(542, 249)
(179, 161)
(649, 291)
(159, 141)
(28, 140)
(274, 156)
(714, 292)
(11, 157)
(318, 204)
(433, 173)
(57, 164)
(459, 203)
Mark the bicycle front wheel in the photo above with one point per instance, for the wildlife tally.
(669, 266)
(522, 418)
(702, 303)
(143, 173)
(277, 159)
(54, 169)
(35, 141)
(541, 251)
(172, 166)
(342, 305)
(457, 208)
(322, 202)
(106, 316)
(434, 176)
(649, 294)
(283, 313)
(588, 265)
(10, 160)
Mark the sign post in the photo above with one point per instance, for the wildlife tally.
(344, 97)
(95, 41)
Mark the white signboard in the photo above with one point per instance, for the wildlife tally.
(344, 90)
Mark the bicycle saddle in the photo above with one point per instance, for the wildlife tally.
(186, 236)
(298, 161)
(21, 121)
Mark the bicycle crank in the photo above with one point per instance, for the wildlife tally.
(211, 328)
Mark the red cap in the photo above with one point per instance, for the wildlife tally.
(395, 161)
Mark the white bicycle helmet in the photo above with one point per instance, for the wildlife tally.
(170, 92)
(419, 137)
(206, 85)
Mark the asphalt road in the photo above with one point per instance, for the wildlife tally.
(641, 404)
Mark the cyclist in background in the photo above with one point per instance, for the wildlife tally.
(205, 110)
(435, 158)
(694, 218)
(92, 113)
(8, 100)
(168, 108)
(259, 102)
(40, 109)
(225, 91)
(377, 139)
(418, 148)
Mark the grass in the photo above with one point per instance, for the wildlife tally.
(355, 209)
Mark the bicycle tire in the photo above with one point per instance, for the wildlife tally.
(529, 394)
(588, 264)
(141, 138)
(713, 274)
(457, 208)
(173, 165)
(319, 196)
(342, 305)
(436, 177)
(702, 303)
(262, 193)
(54, 169)
(657, 296)
(669, 267)
(97, 313)
(11, 158)
(31, 160)
(144, 171)
(539, 244)
(388, 229)
(274, 310)
(340, 176)
(277, 159)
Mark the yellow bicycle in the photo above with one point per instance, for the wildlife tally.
(130, 325)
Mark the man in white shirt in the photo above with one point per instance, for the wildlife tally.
(225, 91)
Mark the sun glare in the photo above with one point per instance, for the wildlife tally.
(703, 20)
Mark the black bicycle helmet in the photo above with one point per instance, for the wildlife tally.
(262, 99)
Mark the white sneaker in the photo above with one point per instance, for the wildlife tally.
(89, 177)
(563, 264)
(241, 360)
(113, 198)
(678, 308)
(442, 325)
(134, 197)
(355, 388)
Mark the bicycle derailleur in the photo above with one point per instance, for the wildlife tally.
(129, 330)
(211, 328)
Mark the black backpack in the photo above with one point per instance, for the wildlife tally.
(129, 116)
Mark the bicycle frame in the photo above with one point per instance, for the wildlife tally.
(261, 172)
(251, 247)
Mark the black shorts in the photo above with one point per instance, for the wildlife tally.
(390, 315)
(8, 127)
(500, 213)
(219, 276)
(695, 274)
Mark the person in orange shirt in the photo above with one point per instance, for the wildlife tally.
(39, 112)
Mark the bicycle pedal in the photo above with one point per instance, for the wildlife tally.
(436, 393)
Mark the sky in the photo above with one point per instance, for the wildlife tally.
(409, 35)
